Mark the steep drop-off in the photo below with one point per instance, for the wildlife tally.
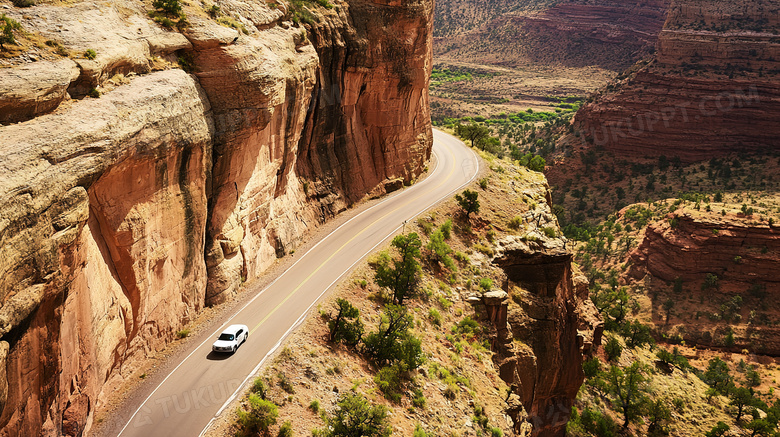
(544, 332)
(502, 357)
(109, 204)
(712, 88)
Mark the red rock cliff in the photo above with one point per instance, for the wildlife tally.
(712, 89)
(108, 205)
(741, 252)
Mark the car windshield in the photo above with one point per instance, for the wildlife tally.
(226, 337)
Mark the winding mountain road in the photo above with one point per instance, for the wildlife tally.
(197, 390)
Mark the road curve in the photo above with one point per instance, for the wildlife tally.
(202, 385)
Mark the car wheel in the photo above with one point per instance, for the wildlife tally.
(234, 349)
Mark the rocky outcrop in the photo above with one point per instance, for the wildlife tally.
(711, 90)
(122, 216)
(607, 33)
(541, 331)
(688, 245)
(738, 254)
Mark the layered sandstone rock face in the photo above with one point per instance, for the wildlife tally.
(122, 216)
(712, 89)
(701, 243)
(544, 327)
(740, 251)
(610, 34)
(104, 208)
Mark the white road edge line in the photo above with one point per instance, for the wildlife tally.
(303, 316)
(258, 295)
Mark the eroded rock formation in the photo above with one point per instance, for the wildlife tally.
(122, 216)
(689, 245)
(740, 256)
(711, 90)
(540, 330)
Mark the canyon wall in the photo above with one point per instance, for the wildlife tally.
(606, 33)
(122, 216)
(740, 256)
(703, 243)
(712, 88)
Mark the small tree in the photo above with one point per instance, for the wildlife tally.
(345, 325)
(760, 427)
(468, 201)
(473, 132)
(403, 276)
(392, 341)
(741, 397)
(637, 334)
(356, 417)
(439, 251)
(668, 307)
(7, 27)
(659, 415)
(717, 376)
(626, 388)
(613, 349)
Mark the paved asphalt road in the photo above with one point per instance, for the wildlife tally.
(200, 387)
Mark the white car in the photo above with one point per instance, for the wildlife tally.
(231, 338)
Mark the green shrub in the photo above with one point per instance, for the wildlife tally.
(285, 430)
(418, 399)
(184, 333)
(446, 229)
(346, 325)
(468, 201)
(94, 93)
(485, 284)
(425, 225)
(315, 406)
(484, 249)
(285, 383)
(186, 62)
(355, 416)
(591, 367)
(23, 3)
(90, 54)
(468, 327)
(172, 8)
(613, 349)
(419, 432)
(259, 387)
(550, 232)
(515, 223)
(7, 28)
(259, 415)
(439, 251)
(390, 381)
(434, 316)
(483, 183)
